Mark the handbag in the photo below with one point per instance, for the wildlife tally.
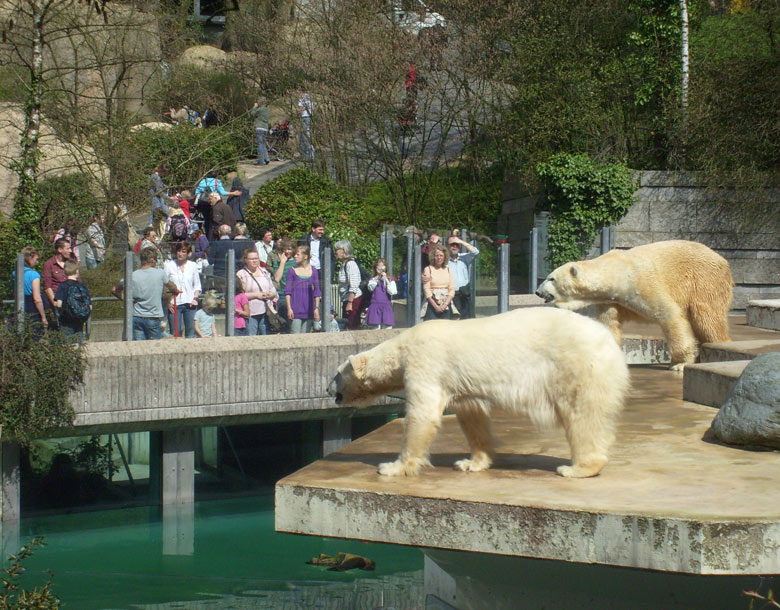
(276, 323)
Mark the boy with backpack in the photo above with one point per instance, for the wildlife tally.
(73, 301)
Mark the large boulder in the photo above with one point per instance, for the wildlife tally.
(751, 414)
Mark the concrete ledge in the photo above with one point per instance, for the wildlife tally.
(737, 350)
(710, 384)
(764, 314)
(668, 500)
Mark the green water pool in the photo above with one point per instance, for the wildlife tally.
(224, 554)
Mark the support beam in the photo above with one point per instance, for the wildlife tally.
(178, 466)
(178, 529)
(336, 433)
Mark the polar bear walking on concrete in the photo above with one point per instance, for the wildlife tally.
(682, 285)
(554, 366)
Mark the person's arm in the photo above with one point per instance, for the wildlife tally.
(316, 309)
(248, 281)
(38, 301)
(48, 279)
(195, 283)
(197, 328)
(426, 282)
(279, 271)
(244, 311)
(392, 289)
(372, 284)
(290, 313)
(450, 290)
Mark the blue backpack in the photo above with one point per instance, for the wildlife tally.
(77, 303)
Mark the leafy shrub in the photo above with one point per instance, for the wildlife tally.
(581, 196)
(36, 377)
(289, 203)
(63, 198)
(190, 152)
(448, 197)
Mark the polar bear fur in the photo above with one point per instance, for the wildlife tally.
(555, 366)
(682, 285)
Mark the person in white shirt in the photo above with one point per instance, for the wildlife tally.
(305, 109)
(184, 273)
(459, 262)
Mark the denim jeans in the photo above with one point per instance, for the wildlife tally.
(186, 315)
(300, 326)
(262, 147)
(257, 325)
(146, 328)
(240, 332)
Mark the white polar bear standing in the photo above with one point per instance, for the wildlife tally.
(682, 285)
(555, 366)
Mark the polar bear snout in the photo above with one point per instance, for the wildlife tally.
(334, 388)
(544, 293)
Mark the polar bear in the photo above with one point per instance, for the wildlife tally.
(555, 366)
(682, 285)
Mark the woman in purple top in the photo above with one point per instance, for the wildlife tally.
(201, 244)
(302, 292)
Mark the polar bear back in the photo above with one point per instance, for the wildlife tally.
(535, 360)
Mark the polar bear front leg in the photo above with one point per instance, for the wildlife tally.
(681, 341)
(611, 316)
(422, 421)
(475, 424)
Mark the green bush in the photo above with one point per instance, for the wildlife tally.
(190, 152)
(36, 377)
(582, 196)
(448, 197)
(289, 203)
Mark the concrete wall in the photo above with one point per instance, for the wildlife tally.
(673, 205)
(154, 385)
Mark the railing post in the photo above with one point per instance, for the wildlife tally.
(19, 292)
(503, 278)
(604, 240)
(327, 274)
(473, 282)
(533, 264)
(388, 256)
(128, 296)
(410, 319)
(417, 283)
(230, 293)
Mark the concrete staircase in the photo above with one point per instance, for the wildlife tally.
(720, 364)
(764, 314)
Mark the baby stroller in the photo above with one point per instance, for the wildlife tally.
(277, 139)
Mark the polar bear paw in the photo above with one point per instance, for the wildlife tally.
(581, 471)
(400, 467)
(678, 368)
(473, 465)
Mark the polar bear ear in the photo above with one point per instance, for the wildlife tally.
(574, 271)
(358, 365)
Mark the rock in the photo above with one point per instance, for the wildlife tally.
(751, 414)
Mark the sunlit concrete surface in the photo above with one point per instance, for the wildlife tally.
(670, 499)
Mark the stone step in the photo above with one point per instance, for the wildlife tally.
(764, 314)
(737, 350)
(711, 383)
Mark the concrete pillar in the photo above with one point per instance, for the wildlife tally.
(172, 466)
(438, 583)
(178, 537)
(178, 466)
(10, 507)
(336, 433)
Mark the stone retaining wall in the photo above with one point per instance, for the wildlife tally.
(674, 205)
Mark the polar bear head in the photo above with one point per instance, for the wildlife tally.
(568, 287)
(364, 378)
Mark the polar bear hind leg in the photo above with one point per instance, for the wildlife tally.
(590, 431)
(424, 409)
(475, 423)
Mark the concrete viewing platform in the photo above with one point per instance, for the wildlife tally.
(670, 499)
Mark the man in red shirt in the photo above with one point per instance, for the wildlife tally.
(54, 269)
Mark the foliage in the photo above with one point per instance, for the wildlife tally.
(581, 196)
(188, 152)
(451, 197)
(290, 202)
(12, 598)
(93, 456)
(66, 198)
(36, 377)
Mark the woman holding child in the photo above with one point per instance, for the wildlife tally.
(259, 289)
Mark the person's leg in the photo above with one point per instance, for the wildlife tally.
(354, 315)
(240, 332)
(188, 317)
(262, 147)
(91, 263)
(139, 329)
(252, 326)
(295, 326)
(306, 325)
(262, 324)
(153, 328)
